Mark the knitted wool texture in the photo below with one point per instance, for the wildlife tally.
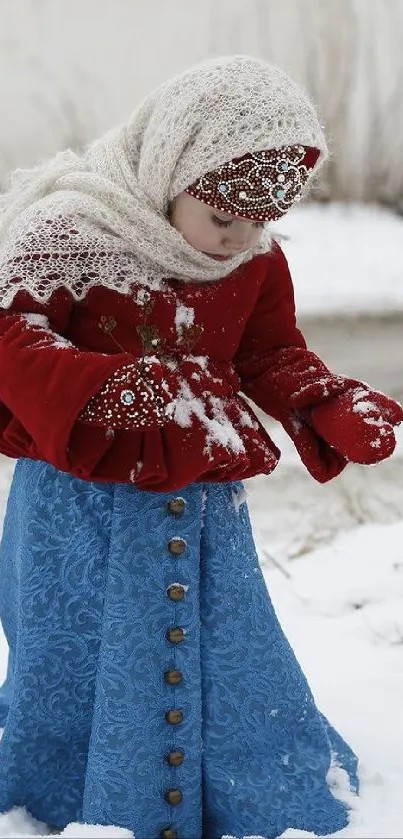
(101, 218)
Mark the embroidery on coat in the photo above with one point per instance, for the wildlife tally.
(152, 342)
(107, 324)
(191, 336)
(188, 333)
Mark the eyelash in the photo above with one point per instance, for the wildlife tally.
(220, 223)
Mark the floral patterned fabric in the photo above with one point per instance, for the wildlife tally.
(84, 574)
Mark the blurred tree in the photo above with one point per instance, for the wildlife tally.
(70, 71)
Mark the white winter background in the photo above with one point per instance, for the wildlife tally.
(332, 555)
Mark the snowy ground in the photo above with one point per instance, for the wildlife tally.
(345, 259)
(332, 555)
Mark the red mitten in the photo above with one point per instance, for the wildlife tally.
(359, 423)
(293, 380)
(135, 396)
(297, 378)
(319, 458)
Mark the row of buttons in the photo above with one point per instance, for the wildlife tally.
(175, 635)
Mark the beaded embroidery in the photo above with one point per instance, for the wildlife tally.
(259, 186)
(132, 397)
(129, 400)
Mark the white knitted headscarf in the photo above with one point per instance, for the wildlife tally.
(101, 218)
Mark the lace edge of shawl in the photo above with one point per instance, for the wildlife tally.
(42, 291)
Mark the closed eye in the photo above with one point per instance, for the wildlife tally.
(221, 223)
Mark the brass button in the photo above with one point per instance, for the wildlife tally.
(175, 634)
(174, 717)
(173, 796)
(175, 758)
(169, 833)
(173, 677)
(177, 546)
(176, 592)
(176, 506)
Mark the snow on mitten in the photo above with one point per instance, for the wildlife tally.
(297, 378)
(134, 397)
(359, 423)
(322, 461)
(291, 381)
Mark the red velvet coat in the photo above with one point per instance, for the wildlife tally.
(239, 323)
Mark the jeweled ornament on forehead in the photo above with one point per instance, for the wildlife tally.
(251, 187)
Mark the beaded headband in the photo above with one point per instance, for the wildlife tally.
(260, 186)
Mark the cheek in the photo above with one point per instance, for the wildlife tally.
(198, 234)
(253, 236)
(257, 232)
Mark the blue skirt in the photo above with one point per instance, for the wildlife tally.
(149, 683)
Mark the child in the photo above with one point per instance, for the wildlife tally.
(149, 684)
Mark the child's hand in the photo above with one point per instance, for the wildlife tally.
(321, 460)
(359, 423)
(331, 419)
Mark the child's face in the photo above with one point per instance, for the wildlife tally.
(215, 233)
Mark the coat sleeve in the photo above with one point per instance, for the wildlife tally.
(270, 327)
(45, 381)
(280, 375)
(273, 361)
